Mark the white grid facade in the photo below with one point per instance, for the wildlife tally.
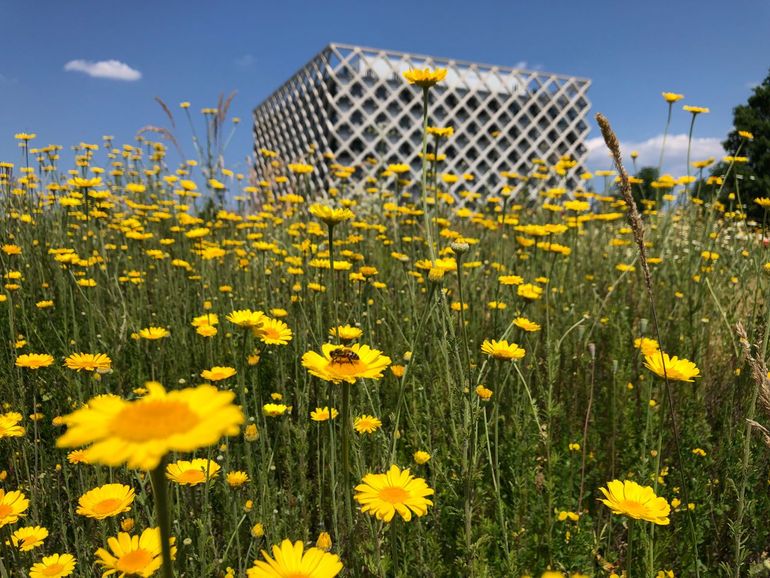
(354, 102)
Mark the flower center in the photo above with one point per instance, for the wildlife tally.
(393, 494)
(106, 506)
(52, 570)
(135, 561)
(145, 421)
(28, 541)
(633, 508)
(192, 476)
(5, 510)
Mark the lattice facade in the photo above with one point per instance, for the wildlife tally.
(353, 102)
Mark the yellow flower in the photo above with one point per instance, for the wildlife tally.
(236, 479)
(646, 345)
(139, 433)
(672, 96)
(12, 507)
(324, 542)
(29, 537)
(246, 318)
(257, 530)
(290, 560)
(526, 324)
(273, 332)
(529, 292)
(425, 78)
(205, 319)
(153, 333)
(502, 350)
(300, 168)
(275, 409)
(382, 495)
(9, 249)
(218, 373)
(675, 369)
(54, 566)
(88, 361)
(34, 360)
(638, 502)
(695, 109)
(331, 216)
(421, 457)
(336, 363)
(483, 393)
(565, 515)
(133, 555)
(206, 330)
(127, 524)
(193, 472)
(345, 333)
(9, 425)
(106, 501)
(366, 424)
(322, 414)
(251, 433)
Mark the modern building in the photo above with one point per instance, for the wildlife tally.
(354, 102)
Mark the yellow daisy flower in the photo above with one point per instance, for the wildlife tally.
(638, 502)
(193, 472)
(106, 501)
(133, 555)
(139, 433)
(502, 350)
(382, 495)
(337, 363)
(292, 560)
(675, 369)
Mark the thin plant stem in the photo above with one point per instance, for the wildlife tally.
(160, 490)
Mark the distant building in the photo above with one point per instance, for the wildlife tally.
(354, 102)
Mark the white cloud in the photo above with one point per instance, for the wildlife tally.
(674, 159)
(245, 61)
(524, 65)
(112, 69)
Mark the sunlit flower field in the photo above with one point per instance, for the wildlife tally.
(410, 373)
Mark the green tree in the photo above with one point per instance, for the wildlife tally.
(752, 117)
(645, 190)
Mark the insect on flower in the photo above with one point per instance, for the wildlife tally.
(343, 355)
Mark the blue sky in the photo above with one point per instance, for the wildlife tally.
(193, 50)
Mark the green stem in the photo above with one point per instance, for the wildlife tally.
(160, 490)
(424, 176)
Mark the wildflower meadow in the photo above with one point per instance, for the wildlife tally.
(408, 373)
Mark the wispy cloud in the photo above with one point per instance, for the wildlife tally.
(7, 80)
(674, 161)
(245, 61)
(111, 69)
(524, 65)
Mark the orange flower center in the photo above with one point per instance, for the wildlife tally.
(134, 562)
(394, 494)
(632, 507)
(192, 476)
(52, 570)
(145, 421)
(5, 510)
(106, 506)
